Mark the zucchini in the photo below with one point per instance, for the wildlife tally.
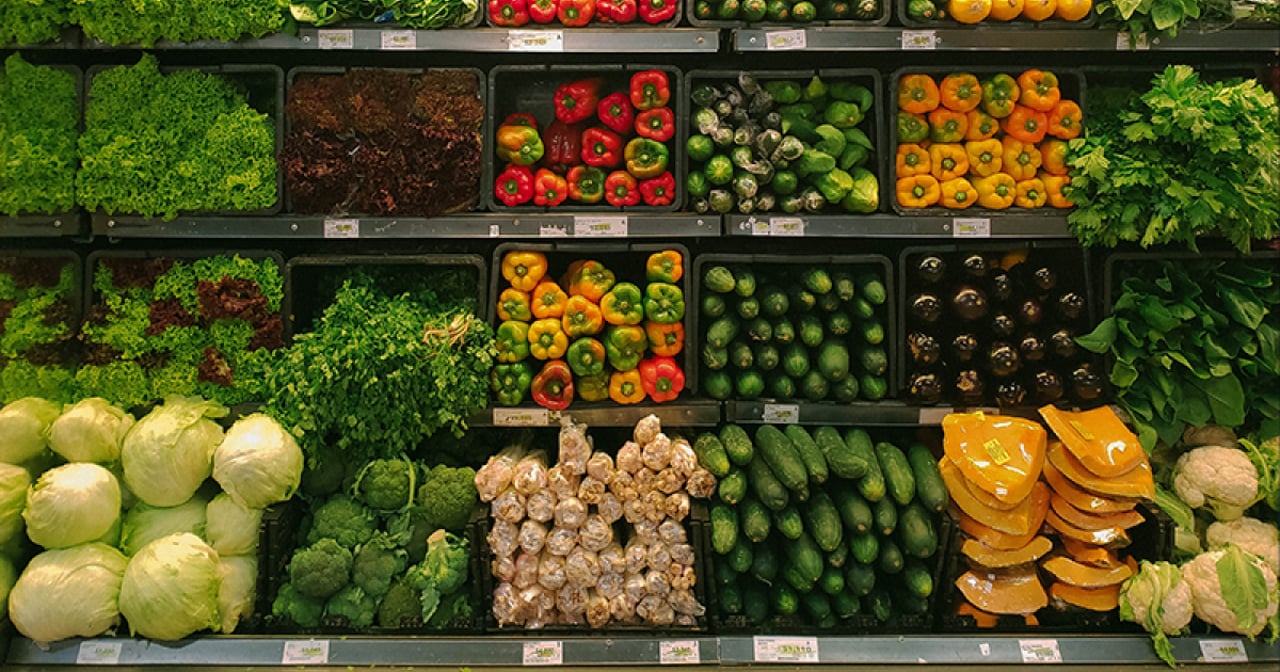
(870, 287)
(740, 557)
(890, 560)
(789, 522)
(899, 481)
(879, 603)
(846, 604)
(765, 565)
(844, 287)
(811, 331)
(724, 528)
(737, 445)
(784, 331)
(782, 458)
(804, 554)
(854, 510)
(841, 459)
(753, 517)
(785, 600)
(731, 599)
(917, 579)
(864, 548)
(734, 486)
(886, 516)
(745, 281)
(930, 490)
(722, 332)
(765, 485)
(832, 581)
(872, 484)
(774, 301)
(711, 455)
(719, 280)
(741, 356)
(916, 532)
(860, 578)
(823, 522)
(814, 387)
(748, 308)
(755, 603)
(714, 305)
(810, 454)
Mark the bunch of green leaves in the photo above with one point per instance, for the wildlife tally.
(24, 22)
(28, 322)
(145, 22)
(1194, 342)
(20, 378)
(1144, 19)
(431, 14)
(1187, 159)
(381, 372)
(39, 111)
(158, 144)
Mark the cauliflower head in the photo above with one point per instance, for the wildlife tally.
(1232, 590)
(299, 608)
(387, 485)
(447, 497)
(343, 520)
(1160, 601)
(1222, 479)
(352, 603)
(1253, 535)
(321, 569)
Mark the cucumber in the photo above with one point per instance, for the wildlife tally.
(784, 332)
(917, 579)
(741, 356)
(871, 288)
(828, 303)
(714, 358)
(774, 301)
(748, 308)
(714, 306)
(908, 603)
(722, 332)
(860, 578)
(767, 356)
(874, 361)
(749, 384)
(814, 461)
(841, 459)
(759, 330)
(811, 331)
(872, 484)
(854, 510)
(916, 532)
(832, 581)
(879, 603)
(899, 481)
(816, 280)
(711, 455)
(765, 485)
(733, 487)
(789, 522)
(765, 565)
(838, 557)
(737, 445)
(818, 605)
(802, 300)
(755, 603)
(864, 548)
(846, 604)
(719, 279)
(718, 385)
(785, 600)
(874, 388)
(782, 387)
(740, 557)
(724, 528)
(844, 286)
(890, 560)
(873, 333)
(886, 516)
(930, 490)
(745, 281)
(731, 599)
(795, 360)
(814, 387)
(823, 522)
(782, 458)
(804, 554)
(753, 517)
(795, 577)
(845, 389)
(862, 309)
(724, 573)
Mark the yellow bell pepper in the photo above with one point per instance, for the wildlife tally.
(1053, 157)
(982, 126)
(1053, 187)
(1031, 194)
(1021, 160)
(547, 339)
(625, 387)
(947, 161)
(912, 160)
(513, 304)
(591, 279)
(996, 192)
(523, 269)
(958, 194)
(985, 157)
(581, 317)
(919, 191)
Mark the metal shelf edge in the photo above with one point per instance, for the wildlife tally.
(895, 226)
(996, 39)
(692, 413)
(41, 226)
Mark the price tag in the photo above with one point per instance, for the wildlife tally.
(495, 230)
(785, 40)
(1126, 43)
(781, 414)
(756, 227)
(335, 39)
(785, 649)
(679, 652)
(997, 452)
(521, 417)
(341, 228)
(553, 231)
(1040, 651)
(933, 416)
(306, 652)
(923, 40)
(786, 226)
(600, 227)
(543, 653)
(535, 40)
(1223, 651)
(399, 39)
(94, 652)
(985, 649)
(971, 227)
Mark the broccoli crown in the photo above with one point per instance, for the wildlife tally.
(451, 609)
(448, 496)
(387, 485)
(321, 569)
(377, 563)
(344, 520)
(297, 607)
(357, 606)
(325, 472)
(400, 606)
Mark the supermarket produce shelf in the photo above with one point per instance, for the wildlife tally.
(995, 39)
(40, 226)
(682, 413)
(1012, 225)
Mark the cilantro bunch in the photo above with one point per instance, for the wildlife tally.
(39, 111)
(24, 22)
(1188, 158)
(145, 23)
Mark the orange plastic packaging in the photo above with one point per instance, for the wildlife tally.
(1083, 499)
(981, 554)
(1022, 520)
(1097, 438)
(1136, 483)
(1011, 591)
(989, 537)
(1088, 521)
(999, 454)
(1085, 576)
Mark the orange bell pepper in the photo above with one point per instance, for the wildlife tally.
(591, 279)
(958, 194)
(665, 339)
(985, 157)
(1066, 120)
(1021, 160)
(523, 269)
(918, 191)
(960, 92)
(1073, 10)
(981, 126)
(1030, 194)
(947, 126)
(1006, 10)
(513, 304)
(1039, 89)
(625, 387)
(548, 300)
(996, 192)
(1053, 157)
(664, 266)
(1026, 124)
(581, 317)
(912, 160)
(947, 161)
(917, 94)
(1054, 187)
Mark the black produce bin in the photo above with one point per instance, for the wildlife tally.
(881, 17)
(1071, 82)
(854, 263)
(1052, 23)
(877, 119)
(531, 89)
(68, 215)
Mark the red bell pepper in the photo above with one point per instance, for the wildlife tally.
(549, 188)
(650, 89)
(543, 11)
(576, 101)
(562, 145)
(661, 377)
(620, 189)
(601, 148)
(616, 113)
(616, 11)
(660, 190)
(509, 13)
(656, 124)
(657, 11)
(521, 119)
(576, 14)
(586, 184)
(553, 386)
(514, 185)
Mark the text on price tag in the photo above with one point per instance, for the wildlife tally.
(341, 228)
(785, 40)
(971, 227)
(399, 39)
(94, 652)
(1125, 43)
(679, 652)
(1223, 651)
(335, 39)
(600, 227)
(786, 226)
(535, 40)
(543, 653)
(305, 652)
(781, 414)
(1039, 650)
(785, 649)
(924, 40)
(553, 231)
(521, 417)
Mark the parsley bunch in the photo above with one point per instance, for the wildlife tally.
(1187, 159)
(39, 111)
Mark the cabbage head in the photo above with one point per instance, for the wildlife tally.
(144, 523)
(258, 463)
(72, 504)
(8, 575)
(14, 481)
(169, 453)
(24, 424)
(90, 431)
(170, 588)
(230, 528)
(239, 582)
(69, 592)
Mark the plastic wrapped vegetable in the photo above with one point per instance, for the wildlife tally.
(595, 534)
(532, 536)
(504, 538)
(541, 506)
(597, 611)
(591, 491)
(613, 560)
(582, 567)
(570, 513)
(562, 541)
(610, 508)
(496, 474)
(622, 608)
(647, 429)
(575, 448)
(611, 585)
(701, 484)
(656, 454)
(509, 506)
(530, 474)
(629, 458)
(551, 573)
(526, 570)
(503, 568)
(600, 467)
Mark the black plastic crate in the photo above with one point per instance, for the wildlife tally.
(1071, 82)
(1070, 261)
(531, 88)
(1052, 23)
(595, 24)
(882, 17)
(79, 76)
(854, 263)
(882, 160)
(320, 71)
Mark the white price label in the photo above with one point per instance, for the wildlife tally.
(94, 652)
(600, 227)
(1039, 650)
(679, 652)
(971, 227)
(781, 414)
(306, 652)
(399, 39)
(785, 40)
(756, 227)
(785, 649)
(495, 230)
(1223, 651)
(521, 417)
(535, 40)
(985, 649)
(786, 226)
(933, 416)
(1125, 43)
(335, 39)
(341, 228)
(920, 40)
(543, 653)
(553, 231)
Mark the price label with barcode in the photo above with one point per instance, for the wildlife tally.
(785, 649)
(95, 652)
(679, 652)
(305, 652)
(1124, 42)
(521, 417)
(919, 39)
(755, 227)
(399, 39)
(535, 40)
(495, 230)
(553, 231)
(781, 414)
(971, 227)
(1039, 650)
(341, 228)
(543, 653)
(786, 226)
(785, 40)
(335, 39)
(1223, 651)
(600, 227)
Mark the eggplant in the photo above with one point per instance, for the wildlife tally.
(1086, 384)
(963, 347)
(932, 269)
(926, 308)
(925, 350)
(1030, 312)
(970, 387)
(969, 303)
(1001, 288)
(1048, 386)
(1031, 348)
(1063, 342)
(975, 265)
(1045, 278)
(1003, 360)
(1070, 306)
(924, 388)
(1002, 325)
(1010, 393)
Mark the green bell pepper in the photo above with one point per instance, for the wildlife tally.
(512, 339)
(852, 93)
(586, 357)
(842, 115)
(623, 304)
(624, 346)
(510, 382)
(593, 388)
(645, 158)
(912, 127)
(834, 185)
(663, 303)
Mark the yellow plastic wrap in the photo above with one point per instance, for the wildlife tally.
(999, 454)
(1097, 438)
(1088, 521)
(980, 554)
(992, 538)
(1009, 591)
(1083, 499)
(1136, 483)
(1023, 519)
(1085, 576)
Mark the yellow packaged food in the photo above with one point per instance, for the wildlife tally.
(1085, 576)
(992, 538)
(1023, 519)
(1112, 537)
(1105, 598)
(1135, 483)
(1083, 499)
(1000, 454)
(1088, 521)
(1009, 591)
(1097, 438)
(981, 554)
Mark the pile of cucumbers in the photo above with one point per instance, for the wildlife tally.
(822, 528)
(793, 332)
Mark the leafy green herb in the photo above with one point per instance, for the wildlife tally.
(1148, 18)
(24, 22)
(129, 22)
(39, 111)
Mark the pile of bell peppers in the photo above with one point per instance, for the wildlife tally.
(600, 147)
(588, 335)
(996, 142)
(578, 13)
